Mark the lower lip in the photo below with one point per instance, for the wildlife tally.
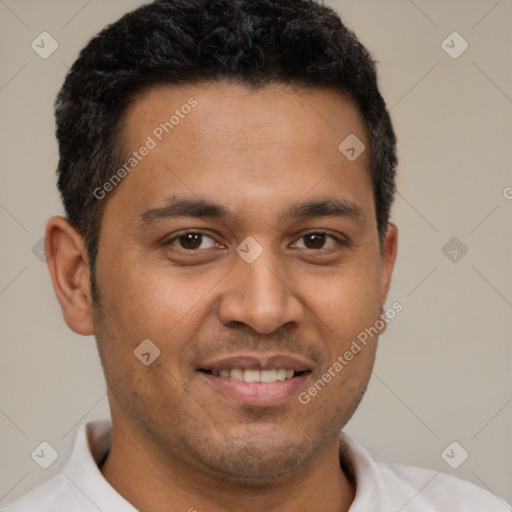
(257, 393)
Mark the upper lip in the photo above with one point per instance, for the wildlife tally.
(259, 362)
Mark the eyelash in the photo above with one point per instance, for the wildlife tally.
(338, 241)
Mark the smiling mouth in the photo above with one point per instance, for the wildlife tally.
(251, 375)
(257, 380)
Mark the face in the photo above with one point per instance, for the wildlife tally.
(244, 245)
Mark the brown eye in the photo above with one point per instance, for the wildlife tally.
(314, 240)
(317, 240)
(192, 241)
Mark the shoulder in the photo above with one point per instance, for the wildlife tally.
(399, 487)
(427, 490)
(59, 494)
(42, 499)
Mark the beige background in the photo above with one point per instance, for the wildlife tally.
(443, 367)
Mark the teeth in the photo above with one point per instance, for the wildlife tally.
(281, 374)
(251, 375)
(236, 374)
(268, 375)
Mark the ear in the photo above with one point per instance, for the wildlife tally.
(68, 263)
(389, 249)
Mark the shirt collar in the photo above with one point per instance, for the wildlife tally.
(93, 442)
(95, 438)
(371, 491)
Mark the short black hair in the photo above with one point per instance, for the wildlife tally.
(254, 42)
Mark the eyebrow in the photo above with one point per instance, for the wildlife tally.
(183, 207)
(326, 207)
(199, 208)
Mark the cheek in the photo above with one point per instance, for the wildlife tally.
(156, 301)
(136, 309)
(347, 300)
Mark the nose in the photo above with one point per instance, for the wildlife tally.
(260, 295)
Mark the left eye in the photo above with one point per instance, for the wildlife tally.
(316, 240)
(193, 241)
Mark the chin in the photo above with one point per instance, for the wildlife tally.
(253, 462)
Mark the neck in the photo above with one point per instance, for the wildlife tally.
(151, 482)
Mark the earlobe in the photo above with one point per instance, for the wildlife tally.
(68, 263)
(389, 251)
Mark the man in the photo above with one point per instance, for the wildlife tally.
(228, 169)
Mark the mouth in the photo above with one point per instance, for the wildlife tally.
(262, 381)
(249, 375)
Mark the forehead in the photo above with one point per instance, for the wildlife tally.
(307, 116)
(237, 143)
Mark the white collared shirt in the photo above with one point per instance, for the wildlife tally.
(380, 487)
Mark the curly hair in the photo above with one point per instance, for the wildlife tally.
(255, 42)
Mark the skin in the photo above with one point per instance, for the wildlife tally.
(180, 443)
